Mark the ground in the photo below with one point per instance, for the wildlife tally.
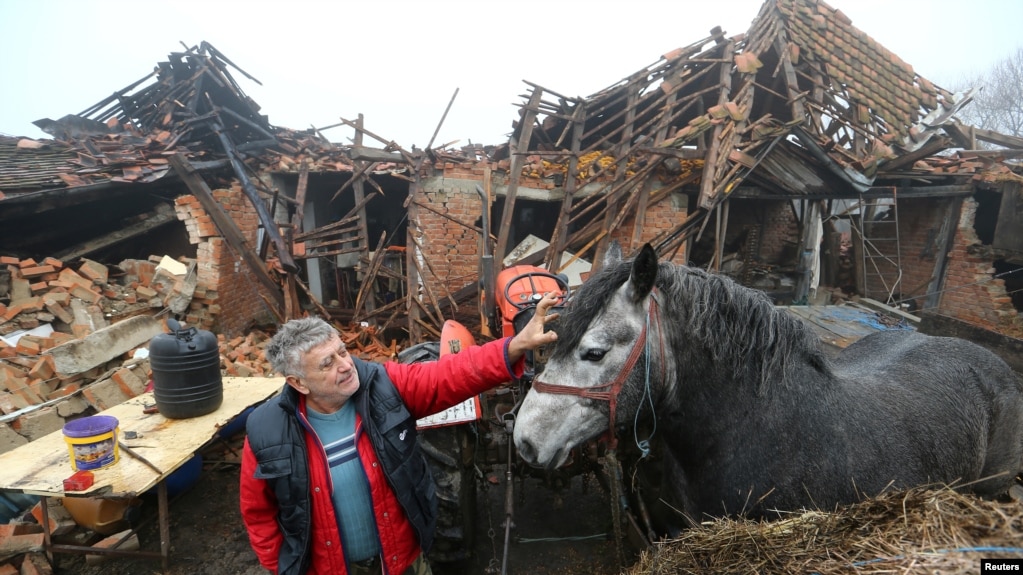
(207, 536)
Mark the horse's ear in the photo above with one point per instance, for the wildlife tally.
(612, 255)
(644, 274)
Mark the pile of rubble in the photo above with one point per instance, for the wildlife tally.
(56, 339)
(73, 342)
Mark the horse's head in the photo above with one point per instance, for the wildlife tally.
(594, 376)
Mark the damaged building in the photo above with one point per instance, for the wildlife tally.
(800, 157)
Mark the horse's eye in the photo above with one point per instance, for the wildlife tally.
(594, 354)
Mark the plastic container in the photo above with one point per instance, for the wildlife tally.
(104, 516)
(181, 479)
(80, 481)
(186, 372)
(92, 442)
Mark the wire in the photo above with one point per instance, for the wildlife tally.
(644, 444)
(570, 538)
(1014, 550)
(964, 286)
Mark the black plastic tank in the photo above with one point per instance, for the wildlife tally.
(186, 372)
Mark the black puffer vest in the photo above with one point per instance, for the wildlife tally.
(277, 438)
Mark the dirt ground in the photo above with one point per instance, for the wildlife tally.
(207, 536)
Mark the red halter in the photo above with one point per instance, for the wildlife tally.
(609, 391)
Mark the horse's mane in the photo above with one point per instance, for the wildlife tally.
(739, 326)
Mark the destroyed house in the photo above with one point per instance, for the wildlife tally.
(800, 157)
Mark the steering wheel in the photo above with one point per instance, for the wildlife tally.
(537, 295)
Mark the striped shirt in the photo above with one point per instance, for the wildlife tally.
(352, 502)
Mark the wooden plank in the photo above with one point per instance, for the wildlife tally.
(889, 310)
(361, 153)
(40, 467)
(269, 225)
(162, 214)
(331, 227)
(369, 279)
(559, 238)
(613, 214)
(300, 191)
(360, 201)
(518, 151)
(429, 266)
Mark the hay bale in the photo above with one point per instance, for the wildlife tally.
(916, 531)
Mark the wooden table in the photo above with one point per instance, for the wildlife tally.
(40, 467)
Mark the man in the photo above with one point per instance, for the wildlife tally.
(332, 477)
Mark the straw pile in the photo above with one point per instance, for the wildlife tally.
(916, 531)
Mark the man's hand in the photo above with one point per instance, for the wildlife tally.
(533, 335)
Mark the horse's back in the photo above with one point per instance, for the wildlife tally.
(946, 385)
(902, 350)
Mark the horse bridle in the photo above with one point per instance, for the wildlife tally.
(609, 391)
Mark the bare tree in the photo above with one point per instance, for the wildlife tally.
(998, 106)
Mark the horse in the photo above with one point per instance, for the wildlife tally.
(753, 416)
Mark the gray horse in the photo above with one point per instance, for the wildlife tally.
(751, 414)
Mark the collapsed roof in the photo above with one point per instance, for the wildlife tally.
(802, 105)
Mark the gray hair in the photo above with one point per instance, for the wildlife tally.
(286, 348)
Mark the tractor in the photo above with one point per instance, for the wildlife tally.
(465, 443)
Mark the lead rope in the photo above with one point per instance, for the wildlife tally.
(614, 474)
(644, 444)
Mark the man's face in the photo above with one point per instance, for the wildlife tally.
(330, 377)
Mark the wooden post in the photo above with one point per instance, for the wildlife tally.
(518, 151)
(709, 180)
(560, 237)
(360, 200)
(624, 149)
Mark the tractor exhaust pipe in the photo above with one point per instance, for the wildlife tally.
(487, 324)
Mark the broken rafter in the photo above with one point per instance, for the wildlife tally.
(358, 174)
(714, 155)
(389, 144)
(269, 225)
(518, 151)
(429, 266)
(429, 145)
(369, 279)
(613, 216)
(226, 225)
(324, 231)
(559, 238)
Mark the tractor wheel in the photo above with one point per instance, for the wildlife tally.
(450, 453)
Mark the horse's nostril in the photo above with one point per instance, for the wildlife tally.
(526, 450)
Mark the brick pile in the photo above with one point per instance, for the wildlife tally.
(244, 356)
(78, 300)
(75, 301)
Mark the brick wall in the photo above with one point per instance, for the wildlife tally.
(920, 230)
(971, 292)
(773, 220)
(454, 250)
(227, 298)
(661, 217)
